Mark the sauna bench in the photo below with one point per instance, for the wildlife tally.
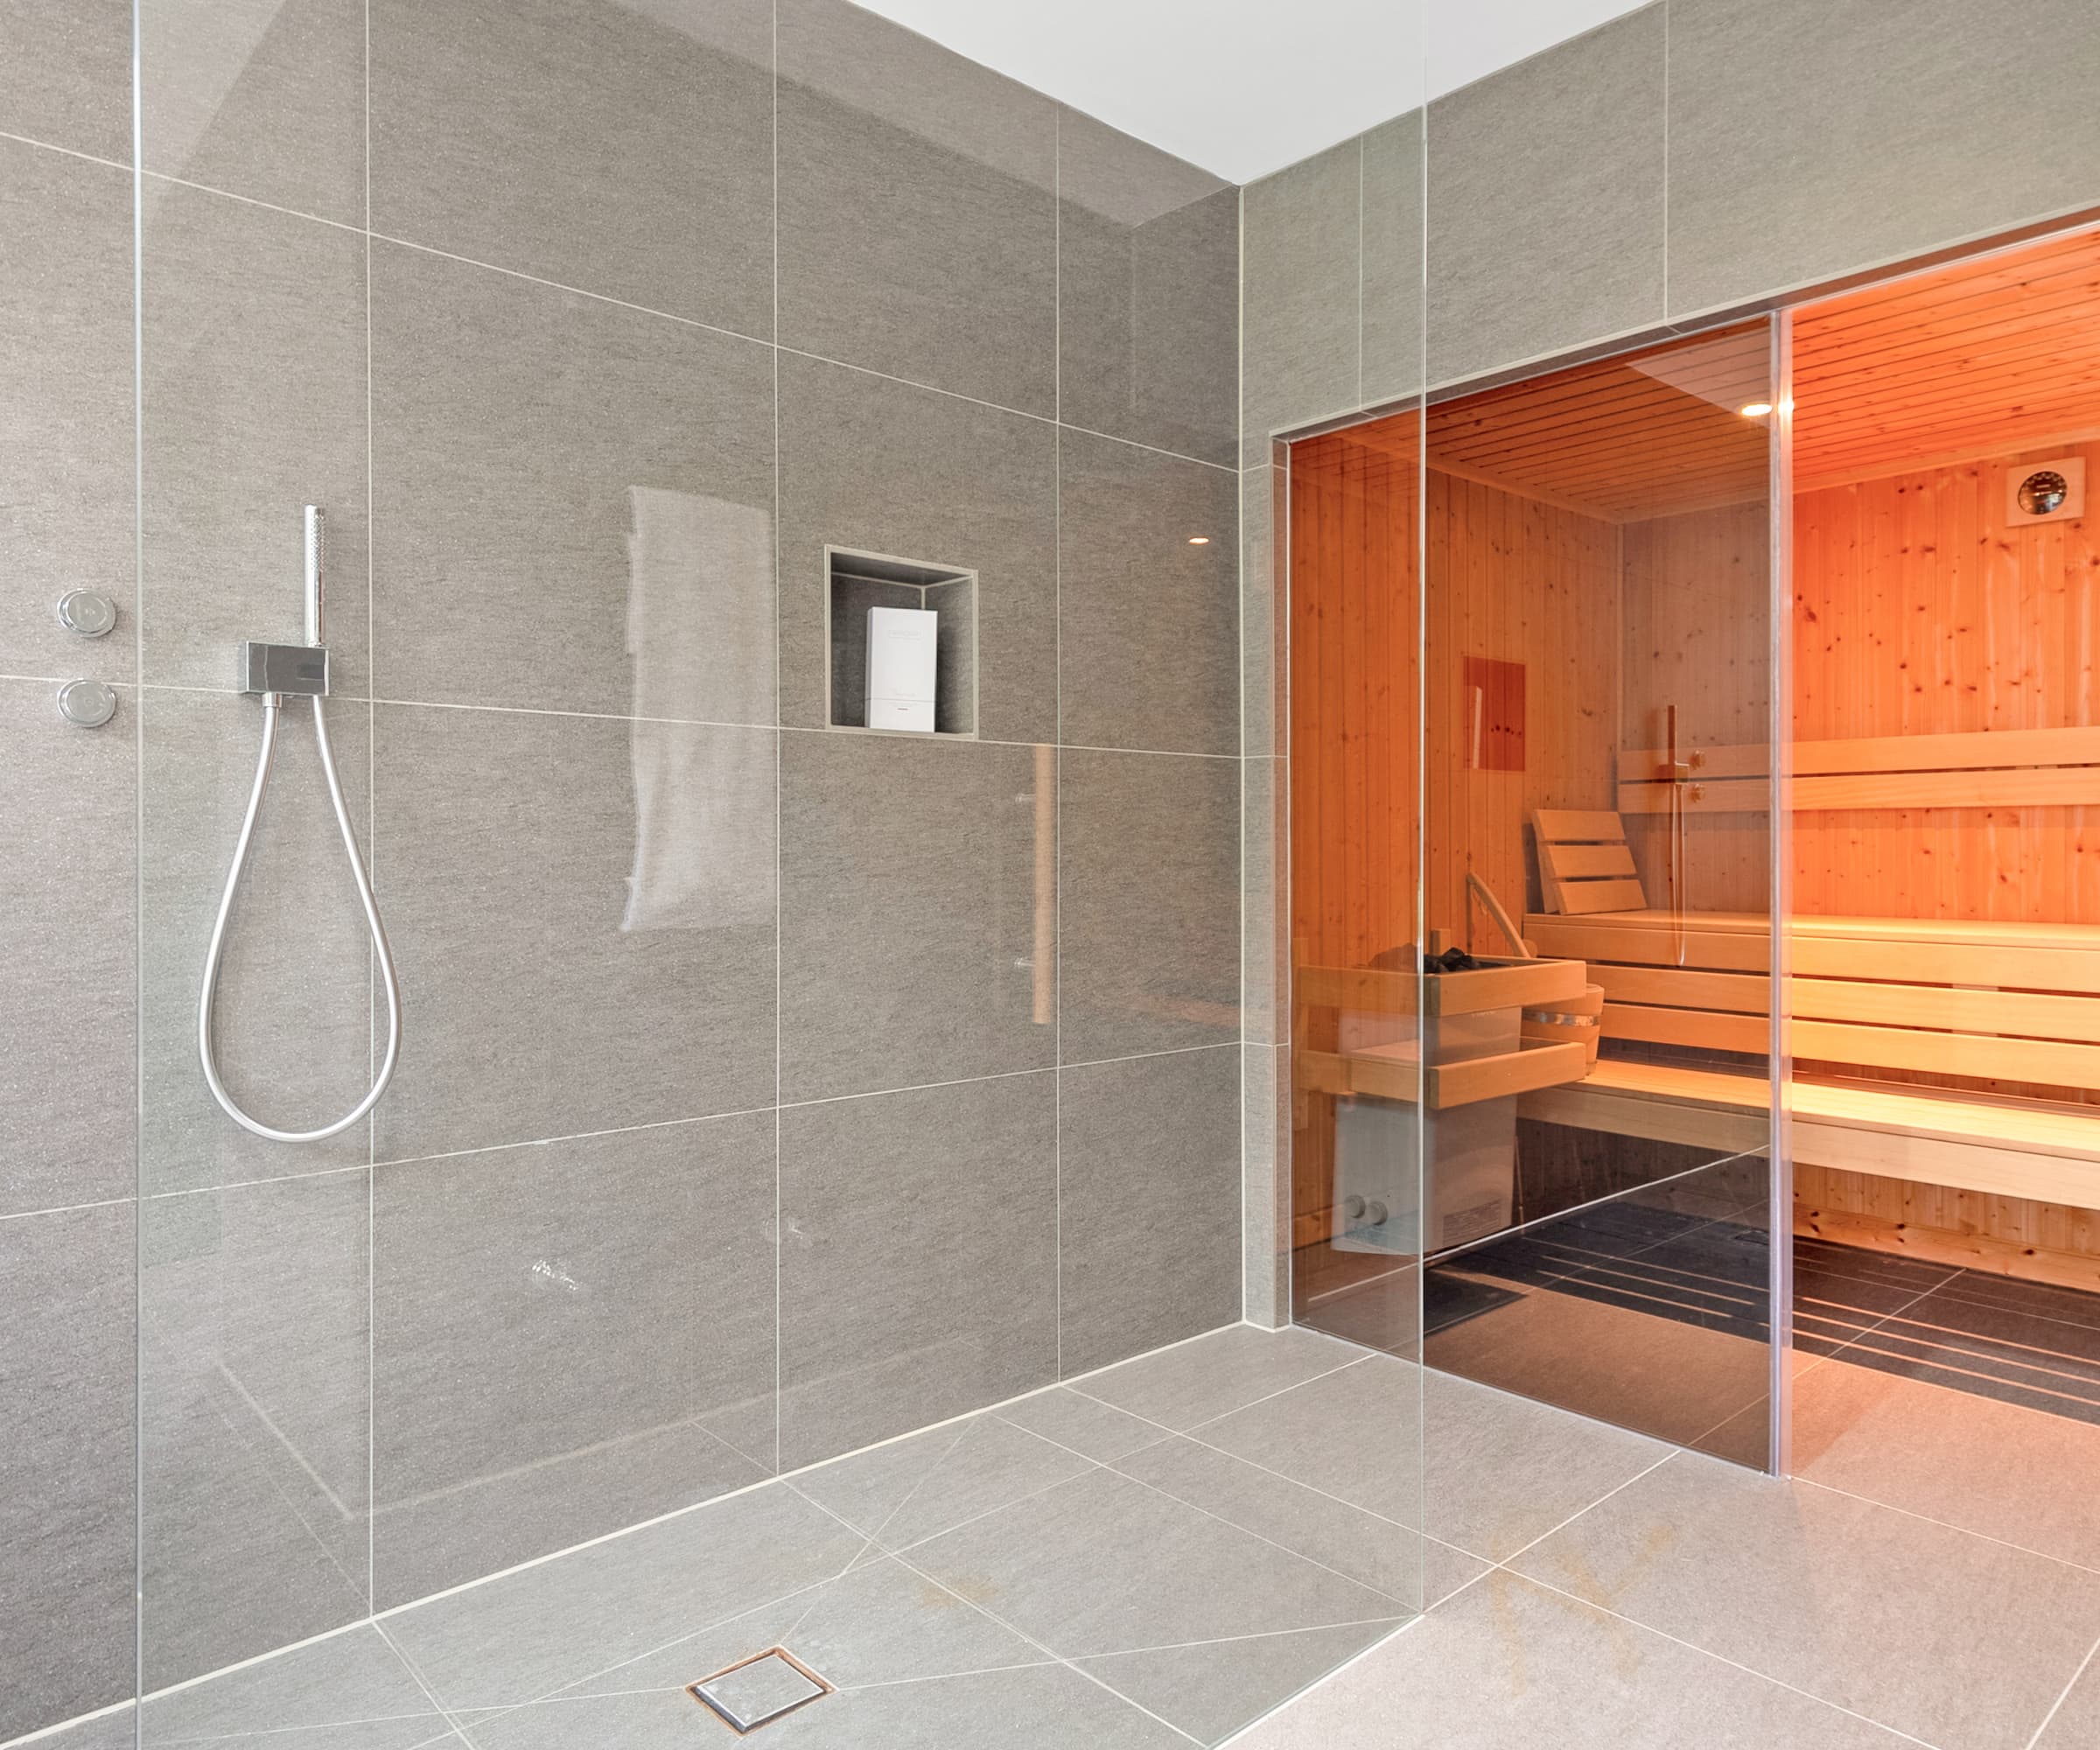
(2017, 1002)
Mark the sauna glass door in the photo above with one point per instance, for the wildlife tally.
(1598, 680)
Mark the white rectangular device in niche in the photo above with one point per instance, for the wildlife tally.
(900, 643)
(2045, 492)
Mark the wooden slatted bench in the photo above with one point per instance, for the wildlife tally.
(1866, 997)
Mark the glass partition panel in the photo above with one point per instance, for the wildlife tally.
(1596, 681)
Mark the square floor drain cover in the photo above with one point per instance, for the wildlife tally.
(759, 1690)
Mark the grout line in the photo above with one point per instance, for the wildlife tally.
(92, 157)
(2057, 1706)
(780, 1232)
(1646, 1470)
(1081, 1671)
(1945, 1525)
(138, 871)
(1708, 1652)
(69, 1208)
(1327, 1677)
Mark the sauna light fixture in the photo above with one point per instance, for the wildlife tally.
(1756, 409)
(1199, 540)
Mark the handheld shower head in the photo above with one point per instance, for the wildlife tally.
(316, 540)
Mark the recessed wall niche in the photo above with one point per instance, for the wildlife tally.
(857, 582)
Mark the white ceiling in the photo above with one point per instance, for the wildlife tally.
(1245, 87)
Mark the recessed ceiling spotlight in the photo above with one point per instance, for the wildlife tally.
(1199, 540)
(1756, 409)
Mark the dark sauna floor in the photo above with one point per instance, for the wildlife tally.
(2022, 1343)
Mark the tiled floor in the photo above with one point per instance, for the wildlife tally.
(1162, 1553)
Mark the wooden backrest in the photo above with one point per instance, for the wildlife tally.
(1583, 863)
(2014, 1003)
(1999, 768)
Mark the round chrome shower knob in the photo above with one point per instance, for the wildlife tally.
(88, 613)
(88, 703)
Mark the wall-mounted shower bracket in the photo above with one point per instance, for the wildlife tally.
(289, 670)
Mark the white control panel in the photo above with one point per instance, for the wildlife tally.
(903, 648)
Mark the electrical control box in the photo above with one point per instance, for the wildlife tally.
(904, 647)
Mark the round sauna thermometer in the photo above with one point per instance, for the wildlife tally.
(2043, 491)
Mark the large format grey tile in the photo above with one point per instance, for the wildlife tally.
(254, 1397)
(917, 212)
(67, 446)
(1103, 1565)
(910, 913)
(1393, 290)
(1479, 1470)
(1265, 876)
(1966, 1460)
(69, 1080)
(1511, 1666)
(882, 1622)
(573, 499)
(1212, 1689)
(1370, 1549)
(1085, 1425)
(903, 1492)
(1148, 1203)
(917, 1259)
(1032, 1707)
(1264, 667)
(1148, 903)
(1265, 1184)
(66, 1477)
(523, 1635)
(1889, 1615)
(1808, 139)
(882, 467)
(570, 1338)
(293, 1018)
(116, 1730)
(2076, 1722)
(67, 75)
(583, 944)
(1148, 622)
(1148, 293)
(1513, 275)
(624, 149)
(1303, 262)
(350, 1691)
(265, 98)
(1215, 1375)
(254, 407)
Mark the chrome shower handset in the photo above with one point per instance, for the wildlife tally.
(274, 673)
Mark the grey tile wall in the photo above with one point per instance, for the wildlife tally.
(253, 408)
(919, 1258)
(66, 76)
(553, 473)
(68, 1081)
(262, 98)
(1546, 201)
(1148, 294)
(1149, 1201)
(1813, 138)
(68, 1487)
(255, 1392)
(624, 149)
(568, 1338)
(1148, 614)
(585, 948)
(918, 212)
(1149, 903)
(661, 1075)
(68, 444)
(1393, 290)
(1301, 277)
(909, 912)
